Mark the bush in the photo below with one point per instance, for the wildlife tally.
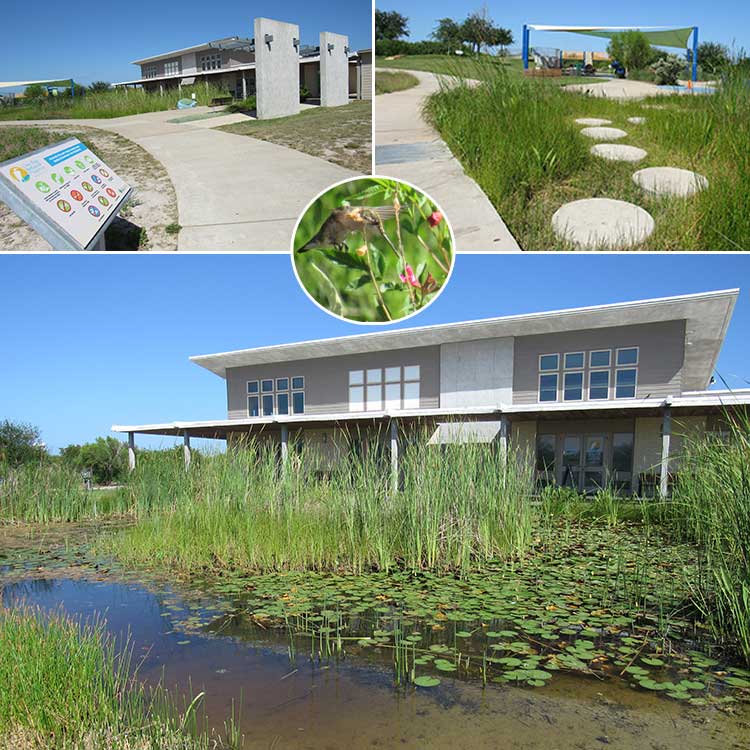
(20, 444)
(389, 47)
(667, 70)
(304, 93)
(243, 105)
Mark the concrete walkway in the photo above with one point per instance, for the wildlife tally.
(406, 147)
(234, 192)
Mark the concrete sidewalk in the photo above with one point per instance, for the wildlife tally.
(406, 147)
(234, 192)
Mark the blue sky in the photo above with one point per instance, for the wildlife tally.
(88, 341)
(727, 21)
(98, 41)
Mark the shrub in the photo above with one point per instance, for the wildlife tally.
(389, 47)
(667, 70)
(243, 105)
(304, 93)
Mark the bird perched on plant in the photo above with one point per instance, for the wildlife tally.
(345, 221)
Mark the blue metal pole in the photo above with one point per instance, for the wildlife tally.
(695, 53)
(525, 47)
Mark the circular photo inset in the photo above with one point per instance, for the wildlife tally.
(373, 250)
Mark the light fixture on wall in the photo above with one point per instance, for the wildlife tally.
(268, 39)
(347, 50)
(330, 47)
(295, 43)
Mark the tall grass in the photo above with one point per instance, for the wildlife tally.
(65, 685)
(455, 509)
(115, 103)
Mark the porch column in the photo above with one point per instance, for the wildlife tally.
(161, 89)
(244, 85)
(666, 436)
(504, 435)
(284, 445)
(394, 456)
(131, 451)
(186, 449)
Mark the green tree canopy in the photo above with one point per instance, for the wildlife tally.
(20, 443)
(447, 31)
(631, 48)
(713, 57)
(390, 24)
(106, 458)
(98, 87)
(479, 30)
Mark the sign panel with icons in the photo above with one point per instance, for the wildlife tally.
(65, 192)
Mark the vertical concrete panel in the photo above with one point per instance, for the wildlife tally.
(276, 69)
(334, 69)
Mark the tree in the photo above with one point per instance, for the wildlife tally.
(34, 93)
(20, 443)
(712, 57)
(97, 87)
(390, 25)
(479, 30)
(631, 48)
(667, 70)
(448, 32)
(106, 458)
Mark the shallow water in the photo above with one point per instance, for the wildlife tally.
(290, 700)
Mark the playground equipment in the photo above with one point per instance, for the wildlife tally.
(657, 35)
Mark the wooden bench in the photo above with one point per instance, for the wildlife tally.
(220, 101)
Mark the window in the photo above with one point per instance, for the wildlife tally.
(573, 386)
(545, 459)
(625, 382)
(298, 402)
(172, 68)
(548, 387)
(384, 388)
(252, 386)
(298, 383)
(149, 71)
(574, 361)
(253, 408)
(411, 387)
(598, 384)
(267, 405)
(627, 356)
(271, 396)
(622, 461)
(374, 390)
(282, 403)
(211, 62)
(600, 358)
(549, 362)
(282, 384)
(356, 390)
(266, 386)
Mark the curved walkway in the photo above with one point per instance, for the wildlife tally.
(407, 148)
(234, 192)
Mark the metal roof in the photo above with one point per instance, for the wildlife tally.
(706, 314)
(223, 43)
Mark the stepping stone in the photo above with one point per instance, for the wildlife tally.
(604, 134)
(670, 181)
(637, 120)
(602, 223)
(618, 152)
(593, 121)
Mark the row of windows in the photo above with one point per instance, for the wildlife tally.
(149, 71)
(274, 396)
(210, 62)
(172, 68)
(597, 358)
(384, 388)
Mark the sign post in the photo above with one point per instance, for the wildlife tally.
(65, 192)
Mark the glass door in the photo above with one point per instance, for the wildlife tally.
(593, 463)
(571, 462)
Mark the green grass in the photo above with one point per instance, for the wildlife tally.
(65, 685)
(388, 82)
(518, 139)
(115, 103)
(15, 141)
(342, 135)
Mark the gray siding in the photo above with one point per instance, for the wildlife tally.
(660, 357)
(327, 378)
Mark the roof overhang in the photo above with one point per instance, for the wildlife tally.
(662, 36)
(707, 317)
(230, 42)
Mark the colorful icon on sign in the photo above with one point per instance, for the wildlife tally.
(103, 200)
(88, 159)
(64, 206)
(80, 164)
(76, 195)
(42, 187)
(69, 170)
(111, 193)
(87, 186)
(96, 179)
(59, 179)
(19, 174)
(94, 211)
(104, 173)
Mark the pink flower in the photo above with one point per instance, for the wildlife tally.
(410, 277)
(434, 218)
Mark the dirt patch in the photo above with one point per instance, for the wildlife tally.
(143, 223)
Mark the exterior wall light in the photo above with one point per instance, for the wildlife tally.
(268, 39)
(295, 42)
(330, 47)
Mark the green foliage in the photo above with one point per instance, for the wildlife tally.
(35, 93)
(390, 25)
(304, 93)
(98, 87)
(631, 48)
(667, 70)
(714, 58)
(447, 31)
(479, 30)
(243, 105)
(387, 82)
(390, 47)
(106, 458)
(376, 277)
(20, 444)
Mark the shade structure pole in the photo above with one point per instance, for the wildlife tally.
(666, 438)
(695, 53)
(525, 46)
(186, 453)
(131, 451)
(394, 457)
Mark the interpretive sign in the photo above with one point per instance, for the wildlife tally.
(65, 192)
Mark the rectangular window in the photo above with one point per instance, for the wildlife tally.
(548, 387)
(172, 68)
(392, 374)
(574, 361)
(298, 383)
(267, 405)
(411, 372)
(266, 386)
(374, 397)
(356, 377)
(211, 62)
(356, 398)
(374, 376)
(545, 459)
(253, 409)
(571, 461)
(252, 386)
(622, 461)
(600, 358)
(549, 362)
(149, 71)
(573, 386)
(298, 402)
(282, 384)
(282, 403)
(625, 383)
(627, 356)
(411, 395)
(389, 388)
(599, 384)
(392, 395)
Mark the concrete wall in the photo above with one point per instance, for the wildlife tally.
(277, 69)
(327, 378)
(476, 373)
(660, 357)
(334, 69)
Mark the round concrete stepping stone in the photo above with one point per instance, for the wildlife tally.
(618, 152)
(602, 223)
(637, 120)
(670, 181)
(604, 134)
(593, 121)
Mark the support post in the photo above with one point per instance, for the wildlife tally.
(186, 449)
(504, 435)
(131, 451)
(666, 436)
(244, 85)
(394, 457)
(284, 446)
(525, 46)
(695, 54)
